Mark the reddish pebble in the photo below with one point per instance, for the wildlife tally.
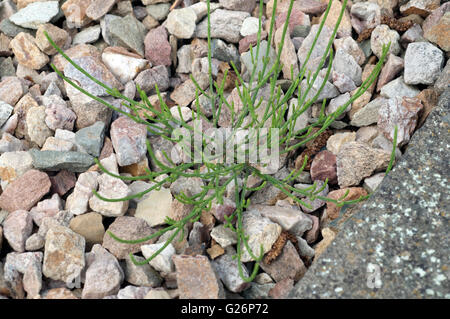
(63, 182)
(26, 191)
(324, 166)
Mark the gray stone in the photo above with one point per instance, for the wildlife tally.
(443, 81)
(7, 68)
(105, 24)
(55, 161)
(317, 202)
(88, 35)
(401, 229)
(398, 88)
(128, 32)
(319, 48)
(35, 14)
(228, 270)
(369, 113)
(184, 59)
(344, 63)
(5, 112)
(248, 66)
(158, 11)
(382, 35)
(257, 291)
(97, 70)
(91, 138)
(301, 31)
(292, 220)
(103, 275)
(148, 79)
(338, 102)
(11, 30)
(225, 52)
(329, 91)
(304, 249)
(141, 275)
(224, 236)
(423, 63)
(225, 24)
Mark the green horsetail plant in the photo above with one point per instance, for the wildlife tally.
(394, 148)
(267, 116)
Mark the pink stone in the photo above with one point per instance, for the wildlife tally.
(244, 44)
(197, 278)
(312, 234)
(227, 208)
(129, 228)
(323, 166)
(391, 69)
(17, 228)
(11, 90)
(436, 27)
(402, 112)
(314, 7)
(63, 182)
(129, 140)
(25, 191)
(59, 116)
(157, 47)
(287, 265)
(296, 18)
(281, 289)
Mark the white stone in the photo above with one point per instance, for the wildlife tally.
(163, 261)
(382, 35)
(156, 207)
(371, 183)
(261, 232)
(111, 188)
(250, 26)
(77, 203)
(35, 14)
(336, 141)
(87, 35)
(124, 66)
(181, 23)
(423, 63)
(224, 236)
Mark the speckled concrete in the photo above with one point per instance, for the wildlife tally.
(402, 230)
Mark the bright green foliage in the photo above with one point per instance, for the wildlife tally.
(217, 176)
